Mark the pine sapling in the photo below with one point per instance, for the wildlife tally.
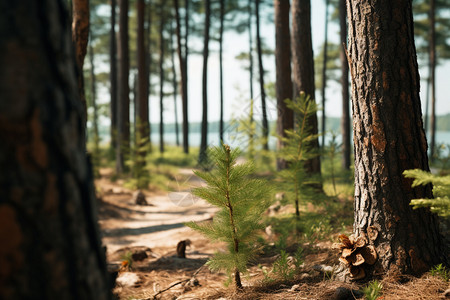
(297, 150)
(242, 201)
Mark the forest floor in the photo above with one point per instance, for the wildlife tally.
(151, 233)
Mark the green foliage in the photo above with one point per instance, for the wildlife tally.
(138, 160)
(440, 271)
(127, 260)
(373, 290)
(242, 201)
(281, 268)
(441, 190)
(298, 149)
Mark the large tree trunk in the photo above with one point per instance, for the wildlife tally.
(183, 70)
(113, 75)
(222, 16)
(303, 66)
(324, 75)
(389, 137)
(123, 103)
(433, 78)
(50, 241)
(345, 121)
(80, 38)
(265, 123)
(204, 138)
(142, 122)
(285, 116)
(161, 78)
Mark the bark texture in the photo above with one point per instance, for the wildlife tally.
(161, 77)
(50, 243)
(80, 38)
(345, 121)
(303, 66)
(433, 77)
(284, 88)
(389, 137)
(123, 101)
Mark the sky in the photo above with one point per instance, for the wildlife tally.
(236, 78)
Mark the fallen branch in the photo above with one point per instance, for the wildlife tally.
(174, 284)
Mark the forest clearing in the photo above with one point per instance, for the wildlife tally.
(224, 149)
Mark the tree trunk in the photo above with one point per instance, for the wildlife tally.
(265, 123)
(284, 87)
(433, 78)
(222, 16)
(345, 121)
(175, 85)
(324, 74)
(142, 121)
(148, 55)
(389, 138)
(123, 103)
(183, 71)
(250, 50)
(50, 240)
(96, 137)
(113, 75)
(80, 38)
(161, 78)
(203, 145)
(303, 66)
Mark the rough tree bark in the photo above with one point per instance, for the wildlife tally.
(203, 144)
(389, 137)
(303, 66)
(183, 70)
(285, 116)
(265, 123)
(345, 120)
(123, 101)
(80, 38)
(113, 74)
(50, 241)
(141, 102)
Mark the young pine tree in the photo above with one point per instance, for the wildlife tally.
(242, 201)
(299, 185)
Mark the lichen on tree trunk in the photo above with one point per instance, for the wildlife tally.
(389, 137)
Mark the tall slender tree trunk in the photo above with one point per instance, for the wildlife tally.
(183, 70)
(175, 85)
(161, 78)
(303, 66)
(324, 74)
(285, 116)
(113, 75)
(389, 138)
(265, 123)
(96, 137)
(123, 101)
(142, 120)
(433, 78)
(50, 239)
(148, 55)
(204, 139)
(345, 121)
(80, 38)
(222, 16)
(250, 44)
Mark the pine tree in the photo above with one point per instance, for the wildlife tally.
(242, 200)
(299, 149)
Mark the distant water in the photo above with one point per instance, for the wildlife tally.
(442, 137)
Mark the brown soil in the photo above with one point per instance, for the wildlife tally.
(156, 229)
